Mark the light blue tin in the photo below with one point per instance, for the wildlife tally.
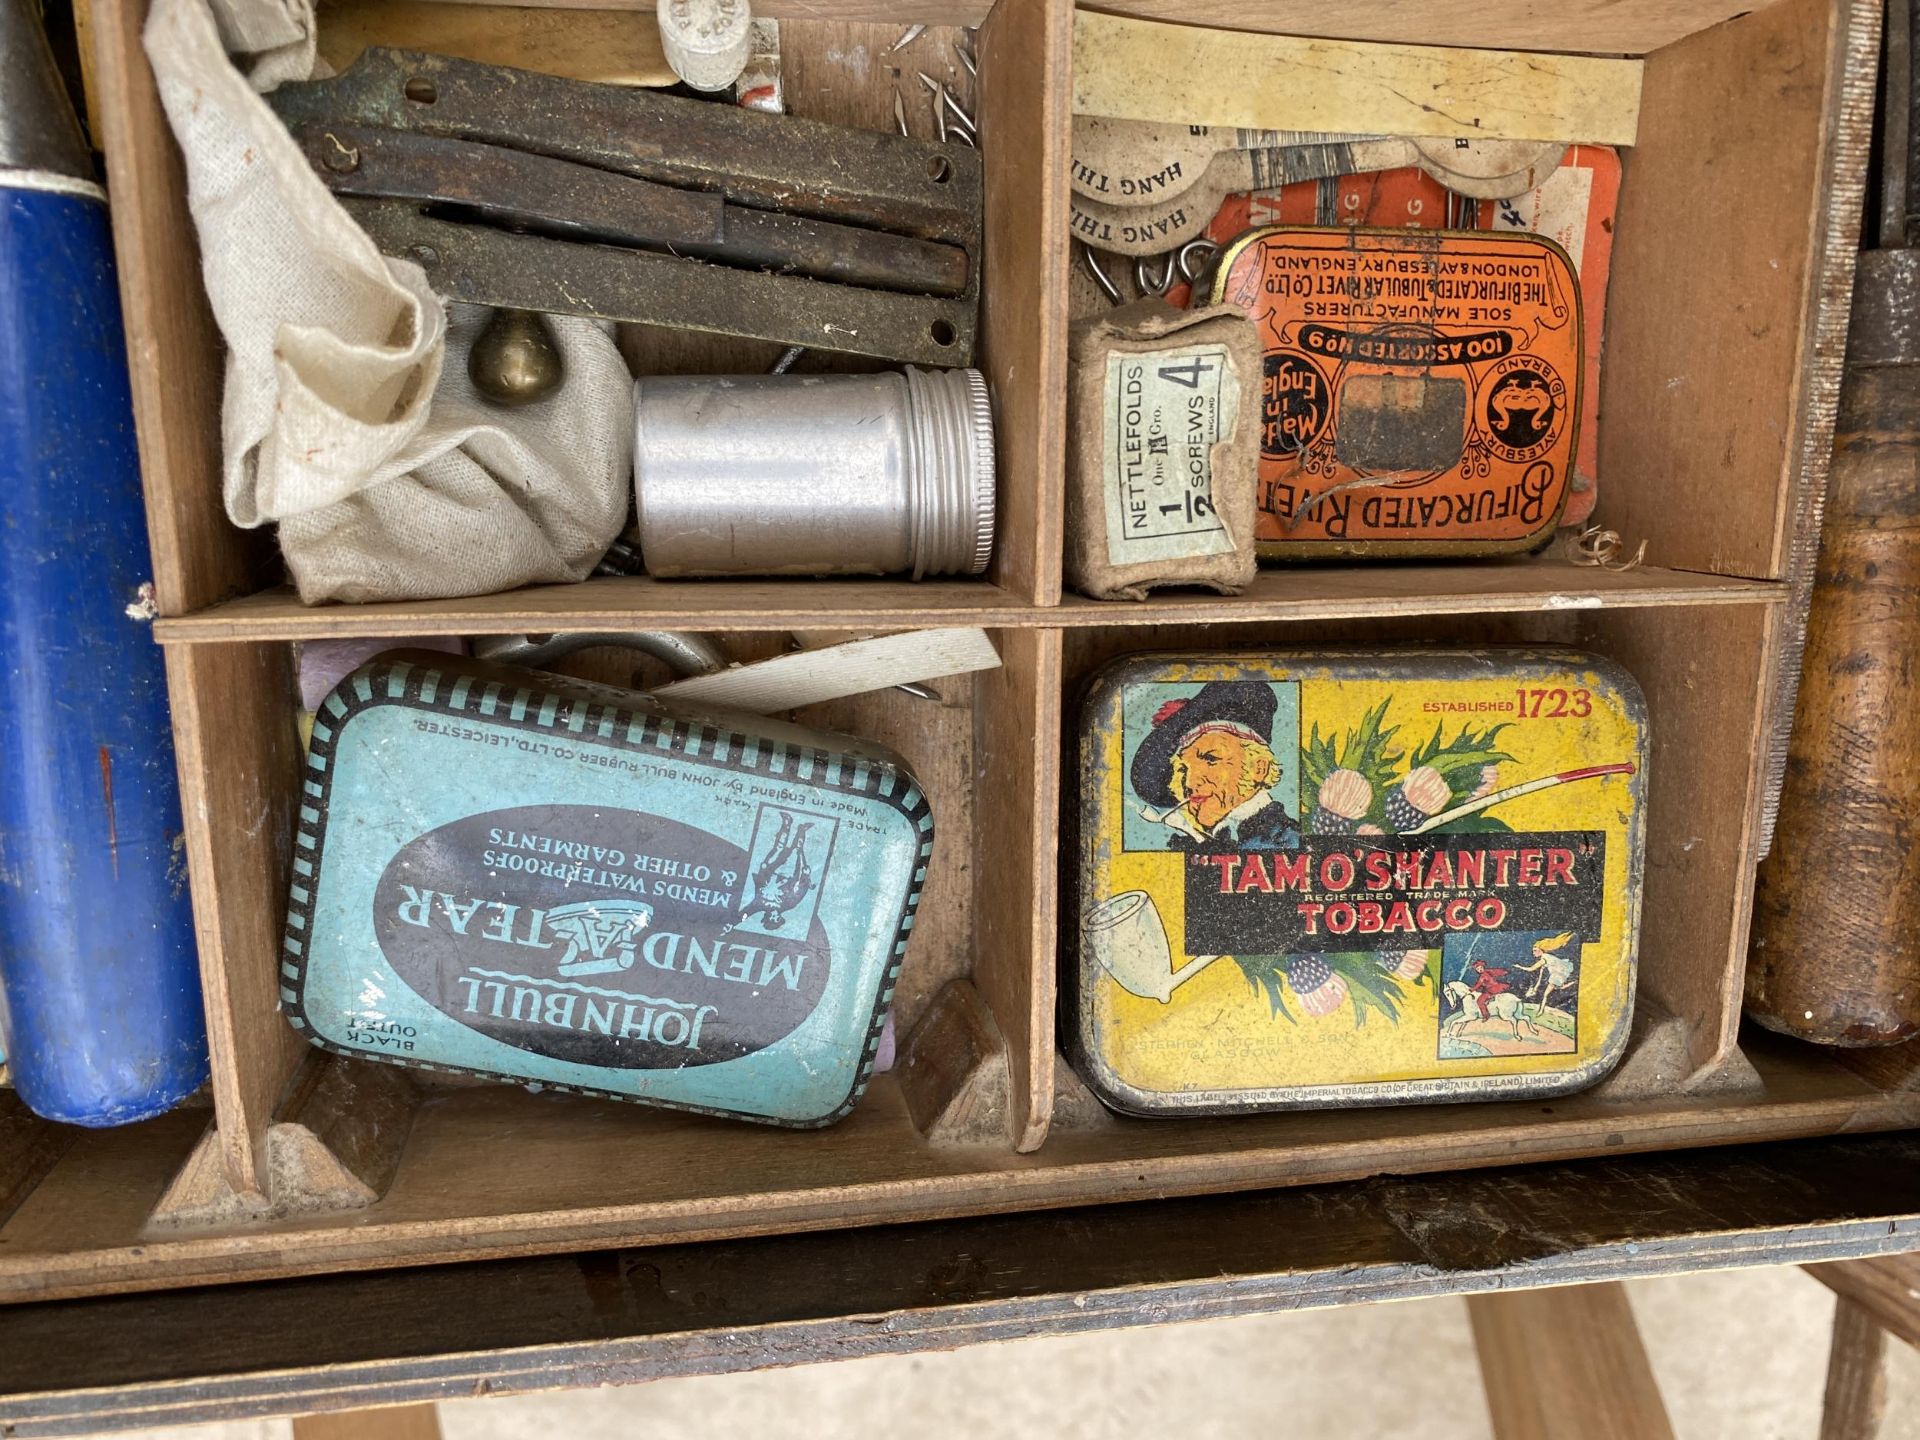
(534, 879)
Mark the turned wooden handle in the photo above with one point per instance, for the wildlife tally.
(1836, 934)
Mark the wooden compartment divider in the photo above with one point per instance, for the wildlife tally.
(174, 354)
(1730, 282)
(240, 774)
(1025, 51)
(1013, 845)
(1722, 352)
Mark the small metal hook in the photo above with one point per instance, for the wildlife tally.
(1100, 277)
(1196, 258)
(1147, 282)
(960, 116)
(944, 105)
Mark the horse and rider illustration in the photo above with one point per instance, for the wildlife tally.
(1497, 1005)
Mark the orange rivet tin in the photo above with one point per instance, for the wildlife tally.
(1421, 392)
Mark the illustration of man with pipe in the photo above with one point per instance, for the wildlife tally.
(1207, 771)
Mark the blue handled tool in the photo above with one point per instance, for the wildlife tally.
(99, 988)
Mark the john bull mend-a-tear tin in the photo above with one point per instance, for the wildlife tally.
(1325, 880)
(533, 879)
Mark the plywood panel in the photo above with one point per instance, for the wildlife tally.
(935, 738)
(1128, 68)
(1707, 468)
(1301, 593)
(239, 759)
(1600, 27)
(1721, 351)
(587, 1174)
(624, 1317)
(1024, 53)
(173, 350)
(1704, 675)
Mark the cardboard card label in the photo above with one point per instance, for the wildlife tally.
(1165, 412)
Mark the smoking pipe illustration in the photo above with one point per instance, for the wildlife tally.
(1513, 792)
(1130, 942)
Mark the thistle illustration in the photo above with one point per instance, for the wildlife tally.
(1347, 782)
(1405, 964)
(1320, 985)
(1422, 794)
(1361, 784)
(1345, 798)
(1312, 980)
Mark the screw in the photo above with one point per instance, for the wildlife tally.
(341, 159)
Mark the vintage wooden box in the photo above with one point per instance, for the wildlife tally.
(1731, 275)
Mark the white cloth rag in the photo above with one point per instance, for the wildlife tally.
(348, 418)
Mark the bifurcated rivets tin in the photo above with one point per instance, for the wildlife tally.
(1421, 389)
(1326, 879)
(525, 877)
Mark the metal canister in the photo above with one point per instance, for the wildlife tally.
(1321, 880)
(882, 474)
(99, 981)
(1422, 389)
(529, 878)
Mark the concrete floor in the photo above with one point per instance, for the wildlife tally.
(1740, 1356)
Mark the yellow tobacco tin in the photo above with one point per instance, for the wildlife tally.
(1333, 879)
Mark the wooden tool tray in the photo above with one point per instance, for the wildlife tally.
(1732, 270)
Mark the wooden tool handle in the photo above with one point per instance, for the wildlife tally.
(1836, 934)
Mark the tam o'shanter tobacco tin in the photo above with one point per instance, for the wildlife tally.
(520, 876)
(1325, 880)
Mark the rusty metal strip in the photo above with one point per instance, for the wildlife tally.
(507, 187)
(576, 202)
(833, 172)
(478, 264)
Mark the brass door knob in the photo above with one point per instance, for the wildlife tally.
(515, 362)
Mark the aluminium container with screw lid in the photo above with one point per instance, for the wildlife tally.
(883, 474)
